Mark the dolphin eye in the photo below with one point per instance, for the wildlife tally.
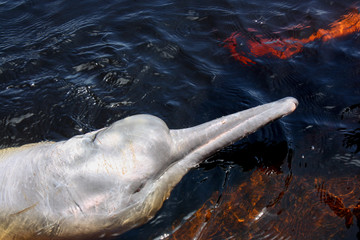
(138, 189)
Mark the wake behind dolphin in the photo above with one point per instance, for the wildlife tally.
(105, 182)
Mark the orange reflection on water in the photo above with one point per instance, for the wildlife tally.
(285, 48)
(347, 24)
(279, 207)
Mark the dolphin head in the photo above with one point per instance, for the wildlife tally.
(152, 147)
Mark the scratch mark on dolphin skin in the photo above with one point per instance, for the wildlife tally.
(24, 210)
(98, 140)
(124, 170)
(106, 165)
(133, 152)
(286, 48)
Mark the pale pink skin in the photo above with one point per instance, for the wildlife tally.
(108, 181)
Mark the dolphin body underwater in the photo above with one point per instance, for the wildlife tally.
(105, 182)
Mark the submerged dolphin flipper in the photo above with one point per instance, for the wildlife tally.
(108, 181)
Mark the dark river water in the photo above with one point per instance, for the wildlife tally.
(70, 67)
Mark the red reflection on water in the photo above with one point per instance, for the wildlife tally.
(285, 48)
(231, 44)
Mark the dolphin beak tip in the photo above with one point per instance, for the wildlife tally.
(292, 102)
(295, 103)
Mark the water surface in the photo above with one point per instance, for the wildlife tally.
(69, 67)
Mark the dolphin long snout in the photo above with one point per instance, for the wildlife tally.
(199, 142)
